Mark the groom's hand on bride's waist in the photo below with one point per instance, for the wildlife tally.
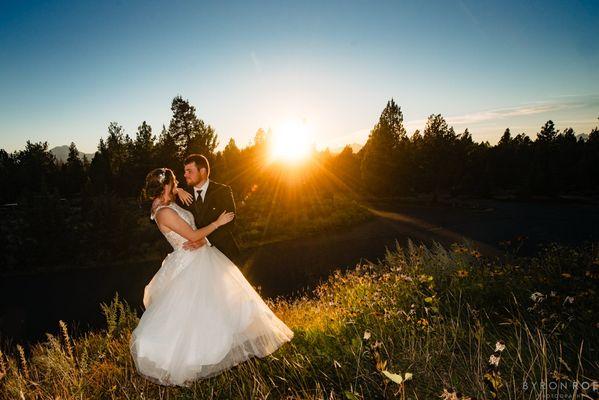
(192, 245)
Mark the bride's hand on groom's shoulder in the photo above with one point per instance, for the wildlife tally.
(190, 245)
(185, 197)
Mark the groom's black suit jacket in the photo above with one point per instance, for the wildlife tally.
(218, 198)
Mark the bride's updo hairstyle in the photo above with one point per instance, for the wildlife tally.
(155, 181)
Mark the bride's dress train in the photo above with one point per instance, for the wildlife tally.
(202, 317)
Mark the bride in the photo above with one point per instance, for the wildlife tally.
(201, 315)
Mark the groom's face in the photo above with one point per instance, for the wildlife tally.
(193, 175)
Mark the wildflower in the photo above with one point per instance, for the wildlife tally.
(449, 395)
(381, 365)
(494, 359)
(500, 346)
(366, 335)
(462, 273)
(537, 297)
(397, 378)
(476, 254)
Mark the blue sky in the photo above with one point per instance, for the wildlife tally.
(68, 69)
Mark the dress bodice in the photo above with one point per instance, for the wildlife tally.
(173, 237)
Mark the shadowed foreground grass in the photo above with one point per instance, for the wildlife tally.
(423, 323)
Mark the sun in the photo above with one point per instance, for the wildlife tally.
(291, 142)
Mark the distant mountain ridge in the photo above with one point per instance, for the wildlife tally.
(62, 153)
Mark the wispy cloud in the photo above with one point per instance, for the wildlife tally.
(502, 113)
(538, 107)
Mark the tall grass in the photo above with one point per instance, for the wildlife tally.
(422, 323)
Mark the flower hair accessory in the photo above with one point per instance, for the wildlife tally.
(162, 176)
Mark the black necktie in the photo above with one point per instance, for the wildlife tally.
(199, 198)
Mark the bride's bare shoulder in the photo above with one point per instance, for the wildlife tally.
(160, 208)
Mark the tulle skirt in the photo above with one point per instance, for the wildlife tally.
(202, 317)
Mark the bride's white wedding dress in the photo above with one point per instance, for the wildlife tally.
(202, 316)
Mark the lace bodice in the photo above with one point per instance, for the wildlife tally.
(173, 237)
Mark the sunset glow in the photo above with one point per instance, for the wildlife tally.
(291, 142)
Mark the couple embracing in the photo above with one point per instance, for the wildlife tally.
(201, 315)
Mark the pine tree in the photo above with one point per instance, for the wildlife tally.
(231, 151)
(37, 170)
(117, 146)
(144, 141)
(99, 170)
(74, 172)
(232, 166)
(191, 134)
(440, 160)
(380, 163)
(548, 133)
(8, 177)
(141, 158)
(505, 138)
(167, 152)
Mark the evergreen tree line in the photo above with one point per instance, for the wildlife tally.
(436, 160)
(440, 161)
(102, 221)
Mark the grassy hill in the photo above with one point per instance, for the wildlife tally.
(422, 323)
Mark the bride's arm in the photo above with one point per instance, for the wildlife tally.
(172, 220)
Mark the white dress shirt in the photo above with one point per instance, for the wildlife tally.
(204, 187)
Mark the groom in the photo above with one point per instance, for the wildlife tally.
(210, 199)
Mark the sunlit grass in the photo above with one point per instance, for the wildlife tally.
(422, 323)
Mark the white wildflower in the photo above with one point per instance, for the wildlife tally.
(499, 346)
(537, 297)
(494, 360)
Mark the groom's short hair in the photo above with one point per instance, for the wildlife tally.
(199, 160)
